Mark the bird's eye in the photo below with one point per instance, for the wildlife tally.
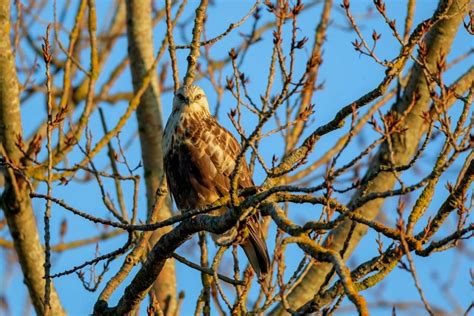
(198, 97)
(180, 96)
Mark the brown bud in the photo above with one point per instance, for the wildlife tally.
(276, 38)
(357, 45)
(392, 24)
(345, 4)
(299, 44)
(380, 5)
(230, 83)
(297, 8)
(63, 229)
(270, 6)
(233, 54)
(376, 36)
(19, 141)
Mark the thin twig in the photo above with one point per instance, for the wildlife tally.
(206, 270)
(194, 53)
(47, 213)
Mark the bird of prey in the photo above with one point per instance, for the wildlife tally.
(199, 157)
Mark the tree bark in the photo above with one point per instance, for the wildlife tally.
(438, 42)
(140, 48)
(16, 202)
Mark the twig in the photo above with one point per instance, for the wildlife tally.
(47, 213)
(206, 270)
(413, 273)
(171, 45)
(229, 29)
(94, 261)
(194, 53)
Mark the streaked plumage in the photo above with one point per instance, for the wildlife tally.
(199, 157)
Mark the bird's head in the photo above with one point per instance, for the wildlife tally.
(190, 98)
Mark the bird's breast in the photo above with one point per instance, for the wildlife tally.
(172, 131)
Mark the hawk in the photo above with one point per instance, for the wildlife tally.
(199, 157)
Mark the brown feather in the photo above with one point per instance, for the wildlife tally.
(199, 158)
(255, 247)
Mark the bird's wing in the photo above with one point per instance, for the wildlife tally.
(213, 150)
(219, 150)
(255, 247)
(200, 162)
(199, 166)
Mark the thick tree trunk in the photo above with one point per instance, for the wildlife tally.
(16, 202)
(140, 48)
(438, 42)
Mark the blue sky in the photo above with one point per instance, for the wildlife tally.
(346, 75)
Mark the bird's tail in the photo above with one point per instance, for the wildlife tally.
(256, 249)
